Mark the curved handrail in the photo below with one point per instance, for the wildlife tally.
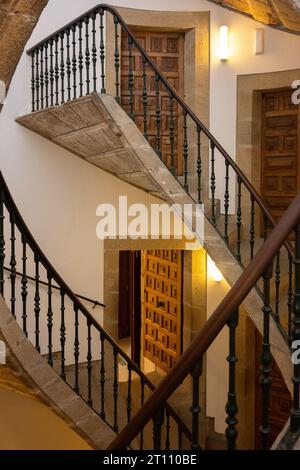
(28, 237)
(214, 142)
(213, 325)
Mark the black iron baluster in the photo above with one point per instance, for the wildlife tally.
(265, 227)
(117, 59)
(179, 438)
(74, 62)
(185, 152)
(62, 333)
(37, 307)
(13, 264)
(130, 80)
(80, 60)
(277, 287)
(195, 408)
(129, 398)
(158, 117)
(102, 377)
(46, 75)
(32, 82)
(50, 320)
(158, 421)
(37, 79)
(62, 67)
(145, 98)
(172, 134)
(199, 166)
(89, 363)
(102, 51)
(266, 360)
(295, 411)
(87, 55)
(168, 429)
(115, 391)
(239, 220)
(68, 63)
(56, 72)
(142, 403)
(290, 298)
(226, 201)
(2, 243)
(24, 283)
(76, 352)
(231, 406)
(213, 185)
(252, 227)
(51, 74)
(42, 76)
(94, 52)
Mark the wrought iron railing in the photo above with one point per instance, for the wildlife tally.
(227, 313)
(72, 62)
(61, 328)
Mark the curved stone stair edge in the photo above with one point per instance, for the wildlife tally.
(46, 385)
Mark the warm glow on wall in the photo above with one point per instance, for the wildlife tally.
(213, 271)
(224, 43)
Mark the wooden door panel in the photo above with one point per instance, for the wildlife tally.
(166, 49)
(161, 308)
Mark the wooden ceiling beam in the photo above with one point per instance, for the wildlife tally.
(288, 13)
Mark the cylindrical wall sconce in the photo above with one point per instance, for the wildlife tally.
(224, 43)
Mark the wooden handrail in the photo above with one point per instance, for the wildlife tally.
(212, 327)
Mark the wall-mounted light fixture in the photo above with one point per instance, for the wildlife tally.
(258, 41)
(224, 43)
(213, 271)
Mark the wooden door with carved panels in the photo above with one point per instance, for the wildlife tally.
(280, 176)
(162, 306)
(166, 49)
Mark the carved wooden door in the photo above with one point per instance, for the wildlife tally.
(161, 306)
(166, 49)
(280, 150)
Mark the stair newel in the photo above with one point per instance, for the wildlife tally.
(51, 73)
(213, 184)
(172, 134)
(185, 152)
(62, 67)
(290, 298)
(226, 201)
(239, 220)
(158, 117)
(115, 389)
(87, 55)
(102, 51)
(37, 300)
(74, 62)
(168, 429)
(131, 80)
(76, 351)
(145, 98)
(56, 71)
(2, 243)
(266, 360)
(68, 63)
(142, 403)
(89, 358)
(295, 412)
(50, 320)
(199, 166)
(46, 46)
(195, 408)
(80, 59)
(94, 52)
(158, 421)
(277, 287)
(42, 75)
(102, 377)
(32, 82)
(24, 282)
(62, 333)
(252, 227)
(117, 59)
(37, 79)
(129, 398)
(13, 264)
(231, 405)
